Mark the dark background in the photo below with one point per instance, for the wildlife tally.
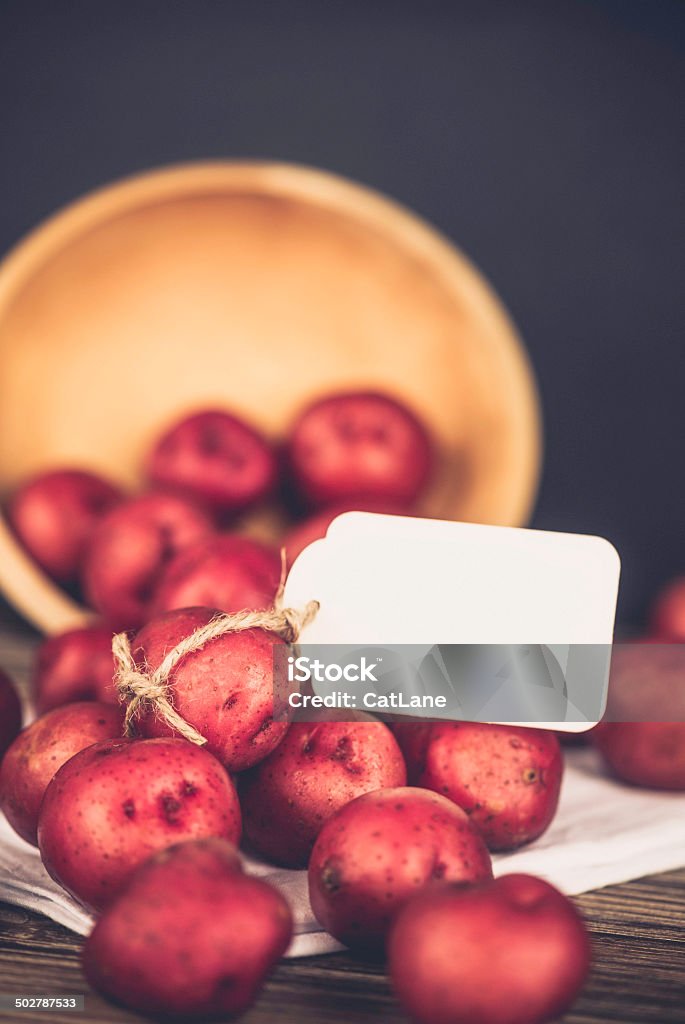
(545, 138)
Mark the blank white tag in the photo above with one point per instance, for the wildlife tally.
(398, 580)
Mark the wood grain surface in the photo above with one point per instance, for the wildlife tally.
(638, 932)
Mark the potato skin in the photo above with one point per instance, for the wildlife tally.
(358, 445)
(509, 951)
(642, 739)
(215, 458)
(190, 936)
(507, 778)
(229, 572)
(74, 666)
(380, 849)
(10, 712)
(225, 690)
(41, 749)
(54, 515)
(130, 548)
(317, 769)
(649, 754)
(116, 803)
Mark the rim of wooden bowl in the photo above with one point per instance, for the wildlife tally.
(26, 587)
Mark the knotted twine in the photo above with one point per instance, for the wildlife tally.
(142, 689)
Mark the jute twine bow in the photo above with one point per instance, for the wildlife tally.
(141, 689)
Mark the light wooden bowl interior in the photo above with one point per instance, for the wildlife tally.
(254, 287)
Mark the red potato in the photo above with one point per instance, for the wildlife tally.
(54, 515)
(507, 778)
(358, 445)
(317, 769)
(649, 754)
(225, 690)
(114, 804)
(380, 849)
(217, 459)
(131, 547)
(668, 613)
(229, 572)
(10, 712)
(41, 749)
(510, 951)
(304, 533)
(642, 738)
(190, 936)
(72, 666)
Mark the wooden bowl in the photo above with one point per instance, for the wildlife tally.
(253, 286)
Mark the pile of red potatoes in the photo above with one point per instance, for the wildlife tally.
(395, 824)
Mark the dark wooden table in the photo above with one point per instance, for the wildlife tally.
(638, 933)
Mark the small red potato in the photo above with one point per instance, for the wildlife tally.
(130, 549)
(73, 666)
(509, 951)
(216, 459)
(114, 804)
(642, 738)
(358, 445)
(649, 754)
(317, 769)
(10, 712)
(378, 850)
(41, 749)
(190, 935)
(229, 572)
(225, 690)
(54, 515)
(668, 612)
(507, 778)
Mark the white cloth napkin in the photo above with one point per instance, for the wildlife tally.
(604, 833)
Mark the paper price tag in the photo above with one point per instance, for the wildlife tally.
(394, 580)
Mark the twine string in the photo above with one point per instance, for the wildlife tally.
(142, 689)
